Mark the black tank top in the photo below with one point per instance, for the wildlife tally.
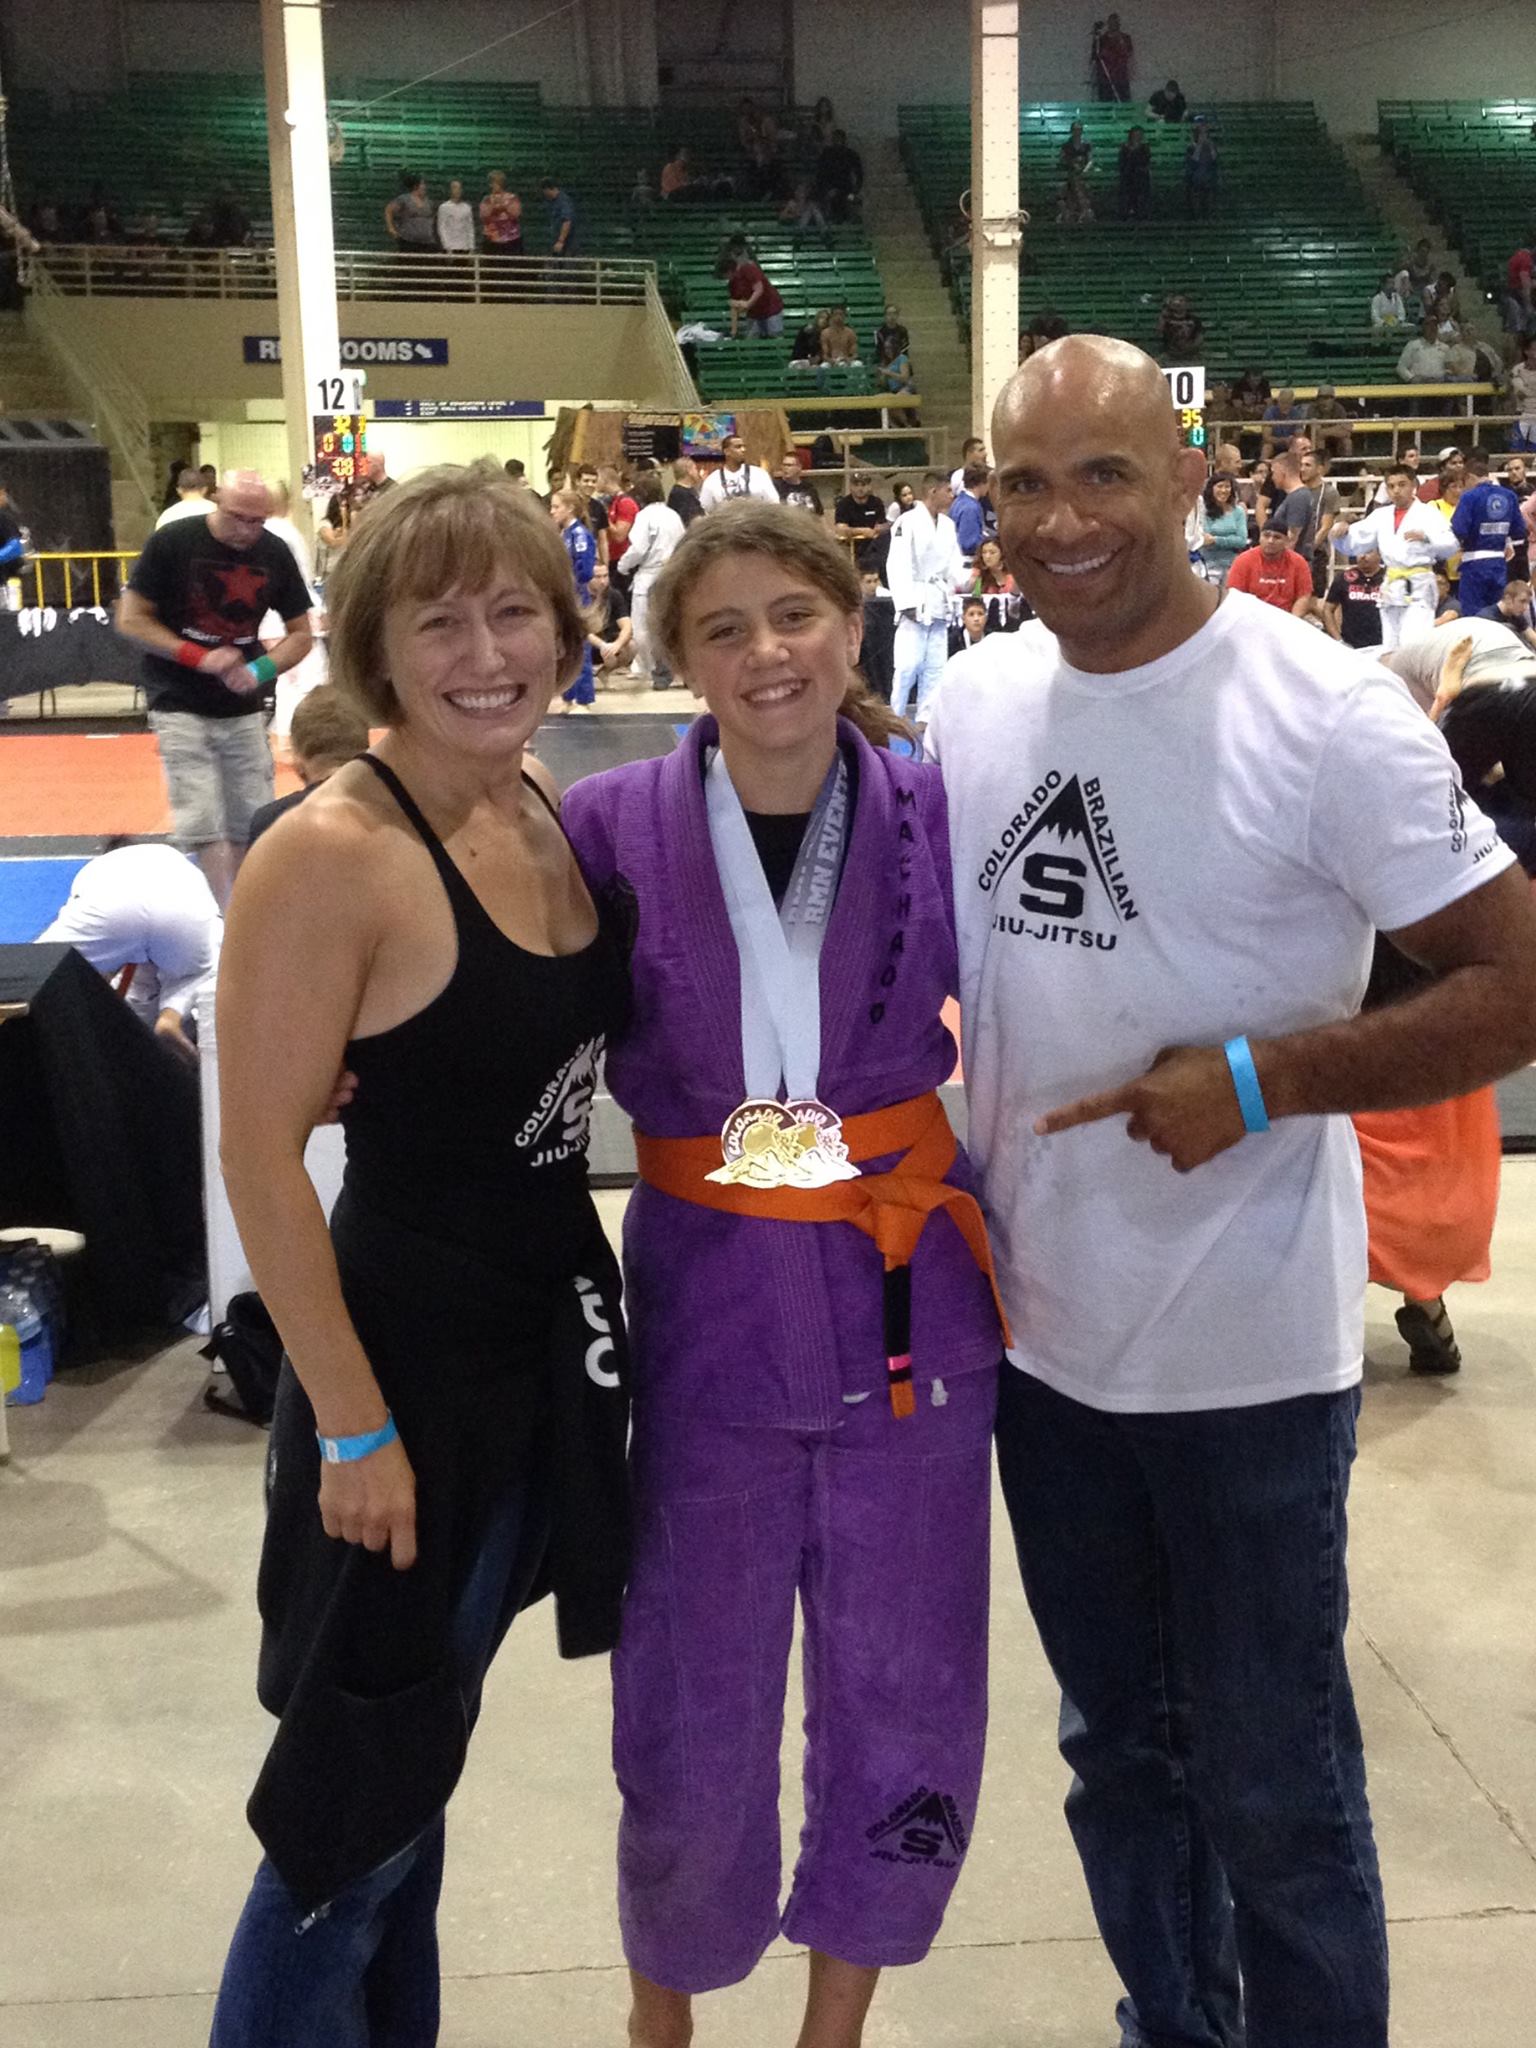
(470, 1120)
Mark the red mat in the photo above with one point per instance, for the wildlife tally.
(82, 785)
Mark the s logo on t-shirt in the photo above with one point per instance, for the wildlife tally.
(1055, 873)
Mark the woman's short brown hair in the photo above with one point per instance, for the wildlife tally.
(448, 528)
(781, 534)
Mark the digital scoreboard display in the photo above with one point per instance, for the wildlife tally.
(341, 446)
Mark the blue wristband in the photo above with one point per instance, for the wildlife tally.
(1245, 1079)
(346, 1450)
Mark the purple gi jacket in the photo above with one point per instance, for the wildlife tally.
(744, 1319)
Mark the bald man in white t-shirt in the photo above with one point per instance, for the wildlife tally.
(1177, 819)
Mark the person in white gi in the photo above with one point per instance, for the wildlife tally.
(1178, 818)
(149, 907)
(652, 540)
(923, 571)
(1411, 537)
(736, 478)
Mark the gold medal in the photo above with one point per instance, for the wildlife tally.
(768, 1144)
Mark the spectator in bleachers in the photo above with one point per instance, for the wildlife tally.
(892, 328)
(1387, 308)
(47, 223)
(231, 222)
(795, 487)
(677, 173)
(1135, 166)
(410, 218)
(839, 177)
(893, 368)
(755, 302)
(860, 517)
(1168, 104)
(1464, 360)
(1352, 607)
(736, 477)
(1111, 57)
(684, 494)
(1273, 573)
(1423, 359)
(610, 630)
(641, 198)
(839, 343)
(1281, 422)
(1417, 272)
(1331, 422)
(99, 224)
(1074, 160)
(757, 131)
(199, 233)
(1444, 301)
(1223, 527)
(972, 450)
(1047, 326)
(975, 624)
(971, 509)
(805, 352)
(802, 212)
(1261, 497)
(903, 498)
(501, 218)
(755, 126)
(823, 124)
(1448, 465)
(1180, 330)
(191, 500)
(991, 582)
(1202, 172)
(562, 216)
(456, 222)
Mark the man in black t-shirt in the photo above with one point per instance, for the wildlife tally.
(594, 512)
(684, 494)
(327, 732)
(195, 601)
(795, 487)
(1353, 604)
(861, 517)
(610, 630)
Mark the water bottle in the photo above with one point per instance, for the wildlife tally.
(34, 1340)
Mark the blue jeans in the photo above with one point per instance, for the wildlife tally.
(1187, 1576)
(363, 1971)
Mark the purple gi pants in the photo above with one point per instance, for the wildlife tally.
(881, 1527)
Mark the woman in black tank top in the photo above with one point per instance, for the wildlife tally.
(451, 1421)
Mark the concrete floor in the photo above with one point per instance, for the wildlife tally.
(129, 1736)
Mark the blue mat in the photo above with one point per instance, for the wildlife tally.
(32, 892)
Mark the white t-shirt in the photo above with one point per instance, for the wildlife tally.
(722, 484)
(1176, 855)
(456, 227)
(152, 906)
(183, 508)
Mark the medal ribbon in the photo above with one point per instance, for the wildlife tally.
(780, 950)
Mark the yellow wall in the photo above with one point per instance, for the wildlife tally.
(186, 357)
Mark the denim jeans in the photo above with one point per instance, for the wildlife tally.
(1187, 1575)
(363, 1971)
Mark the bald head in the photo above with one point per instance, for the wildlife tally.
(1094, 378)
(241, 507)
(1093, 489)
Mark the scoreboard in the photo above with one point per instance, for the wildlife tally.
(1186, 388)
(341, 444)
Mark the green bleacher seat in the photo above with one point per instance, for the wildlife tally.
(1473, 163)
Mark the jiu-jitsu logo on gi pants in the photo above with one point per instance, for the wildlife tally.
(926, 1828)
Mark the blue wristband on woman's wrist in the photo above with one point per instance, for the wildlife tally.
(1245, 1079)
(346, 1450)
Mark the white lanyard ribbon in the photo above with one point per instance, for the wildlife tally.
(780, 950)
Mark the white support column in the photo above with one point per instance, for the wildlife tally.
(995, 231)
(304, 245)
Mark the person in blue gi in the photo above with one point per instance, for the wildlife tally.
(1485, 521)
(581, 546)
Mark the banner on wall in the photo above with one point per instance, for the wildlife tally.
(458, 408)
(705, 433)
(43, 648)
(403, 351)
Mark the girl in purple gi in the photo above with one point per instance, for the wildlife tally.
(815, 1338)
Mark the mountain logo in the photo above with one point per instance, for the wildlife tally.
(925, 1828)
(1058, 862)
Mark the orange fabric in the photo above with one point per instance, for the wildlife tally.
(892, 1208)
(1431, 1192)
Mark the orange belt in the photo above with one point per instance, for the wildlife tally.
(892, 1208)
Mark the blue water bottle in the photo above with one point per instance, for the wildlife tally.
(35, 1339)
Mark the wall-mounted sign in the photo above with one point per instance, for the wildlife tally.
(341, 444)
(458, 408)
(403, 351)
